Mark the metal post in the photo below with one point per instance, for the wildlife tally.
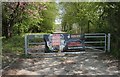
(108, 48)
(105, 44)
(25, 44)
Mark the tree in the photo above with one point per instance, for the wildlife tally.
(11, 14)
(21, 17)
(94, 17)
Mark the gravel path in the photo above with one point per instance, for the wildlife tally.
(77, 64)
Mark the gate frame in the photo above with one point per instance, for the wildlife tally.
(106, 44)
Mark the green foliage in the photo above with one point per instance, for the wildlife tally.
(24, 17)
(93, 17)
(36, 17)
(13, 45)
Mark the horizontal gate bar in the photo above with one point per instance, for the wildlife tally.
(96, 42)
(93, 47)
(60, 53)
(93, 36)
(94, 33)
(35, 48)
(42, 43)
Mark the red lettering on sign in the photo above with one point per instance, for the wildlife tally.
(74, 44)
(55, 39)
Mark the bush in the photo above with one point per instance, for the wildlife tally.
(13, 45)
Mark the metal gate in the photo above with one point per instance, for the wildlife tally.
(99, 41)
(35, 42)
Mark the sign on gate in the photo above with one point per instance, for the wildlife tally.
(55, 42)
(55, 39)
(64, 42)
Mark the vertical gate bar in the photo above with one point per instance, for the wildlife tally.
(108, 42)
(105, 44)
(26, 45)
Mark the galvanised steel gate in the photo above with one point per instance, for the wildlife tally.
(98, 41)
(36, 42)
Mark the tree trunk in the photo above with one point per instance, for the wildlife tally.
(5, 31)
(11, 22)
(88, 26)
(9, 31)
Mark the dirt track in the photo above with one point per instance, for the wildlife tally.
(77, 64)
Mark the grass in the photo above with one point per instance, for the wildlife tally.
(14, 44)
(12, 48)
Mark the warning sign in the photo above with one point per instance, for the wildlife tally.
(55, 39)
